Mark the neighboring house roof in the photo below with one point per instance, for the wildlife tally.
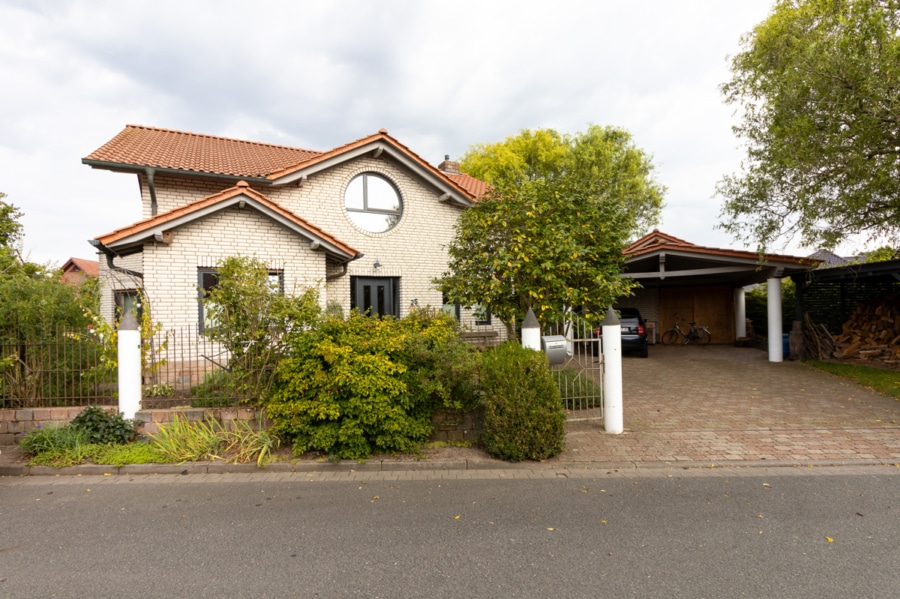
(76, 269)
(667, 260)
(830, 259)
(88, 267)
(138, 148)
(131, 239)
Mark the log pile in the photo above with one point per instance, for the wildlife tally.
(817, 341)
(872, 333)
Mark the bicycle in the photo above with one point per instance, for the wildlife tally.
(697, 334)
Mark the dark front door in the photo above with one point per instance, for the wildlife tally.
(375, 296)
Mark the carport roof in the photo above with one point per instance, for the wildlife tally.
(659, 259)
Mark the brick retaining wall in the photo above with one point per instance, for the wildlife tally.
(14, 423)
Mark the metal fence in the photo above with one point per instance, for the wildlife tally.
(580, 376)
(67, 368)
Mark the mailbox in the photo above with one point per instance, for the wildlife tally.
(555, 348)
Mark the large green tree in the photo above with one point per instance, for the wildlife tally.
(818, 84)
(550, 233)
(605, 161)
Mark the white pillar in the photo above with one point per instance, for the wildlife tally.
(531, 332)
(612, 374)
(129, 366)
(773, 303)
(740, 313)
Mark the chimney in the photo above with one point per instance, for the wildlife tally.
(448, 166)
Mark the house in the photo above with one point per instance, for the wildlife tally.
(367, 223)
(78, 270)
(702, 284)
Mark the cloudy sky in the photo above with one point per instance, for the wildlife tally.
(440, 76)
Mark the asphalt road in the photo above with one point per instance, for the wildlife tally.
(775, 534)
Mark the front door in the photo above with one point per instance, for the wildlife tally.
(375, 295)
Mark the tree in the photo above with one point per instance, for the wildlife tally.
(550, 233)
(604, 160)
(818, 82)
(10, 234)
(549, 247)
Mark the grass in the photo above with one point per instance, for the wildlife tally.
(880, 379)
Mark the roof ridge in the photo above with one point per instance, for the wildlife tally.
(220, 138)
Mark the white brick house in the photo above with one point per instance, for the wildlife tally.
(366, 223)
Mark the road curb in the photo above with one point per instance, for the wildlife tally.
(398, 466)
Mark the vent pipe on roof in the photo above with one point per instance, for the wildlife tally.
(152, 186)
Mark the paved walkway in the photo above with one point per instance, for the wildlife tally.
(723, 404)
(683, 406)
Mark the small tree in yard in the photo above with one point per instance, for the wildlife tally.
(251, 317)
(550, 233)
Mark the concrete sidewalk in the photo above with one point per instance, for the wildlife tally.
(685, 406)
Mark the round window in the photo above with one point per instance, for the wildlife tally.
(373, 203)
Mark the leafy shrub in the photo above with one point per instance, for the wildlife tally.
(362, 385)
(523, 418)
(102, 427)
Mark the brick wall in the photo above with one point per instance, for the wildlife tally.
(14, 423)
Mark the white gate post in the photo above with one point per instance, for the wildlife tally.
(129, 366)
(773, 303)
(612, 374)
(531, 332)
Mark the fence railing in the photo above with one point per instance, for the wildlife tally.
(66, 368)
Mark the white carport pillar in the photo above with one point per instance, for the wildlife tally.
(773, 302)
(740, 313)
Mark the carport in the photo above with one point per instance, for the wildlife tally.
(706, 285)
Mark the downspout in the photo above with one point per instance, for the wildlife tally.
(110, 255)
(346, 266)
(152, 187)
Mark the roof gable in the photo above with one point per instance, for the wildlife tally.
(130, 239)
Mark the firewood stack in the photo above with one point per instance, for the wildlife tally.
(872, 333)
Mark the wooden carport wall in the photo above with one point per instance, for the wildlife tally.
(706, 285)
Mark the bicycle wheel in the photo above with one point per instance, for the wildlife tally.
(703, 337)
(670, 337)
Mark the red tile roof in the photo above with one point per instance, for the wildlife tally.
(242, 188)
(656, 241)
(139, 146)
(88, 267)
(143, 146)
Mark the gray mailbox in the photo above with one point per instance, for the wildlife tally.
(555, 348)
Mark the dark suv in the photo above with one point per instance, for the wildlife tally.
(634, 331)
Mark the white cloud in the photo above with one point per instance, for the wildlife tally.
(438, 76)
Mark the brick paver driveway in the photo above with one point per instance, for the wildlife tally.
(721, 404)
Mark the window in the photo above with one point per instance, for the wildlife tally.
(208, 278)
(482, 314)
(449, 307)
(128, 300)
(373, 203)
(377, 296)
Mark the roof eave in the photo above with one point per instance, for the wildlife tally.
(122, 167)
